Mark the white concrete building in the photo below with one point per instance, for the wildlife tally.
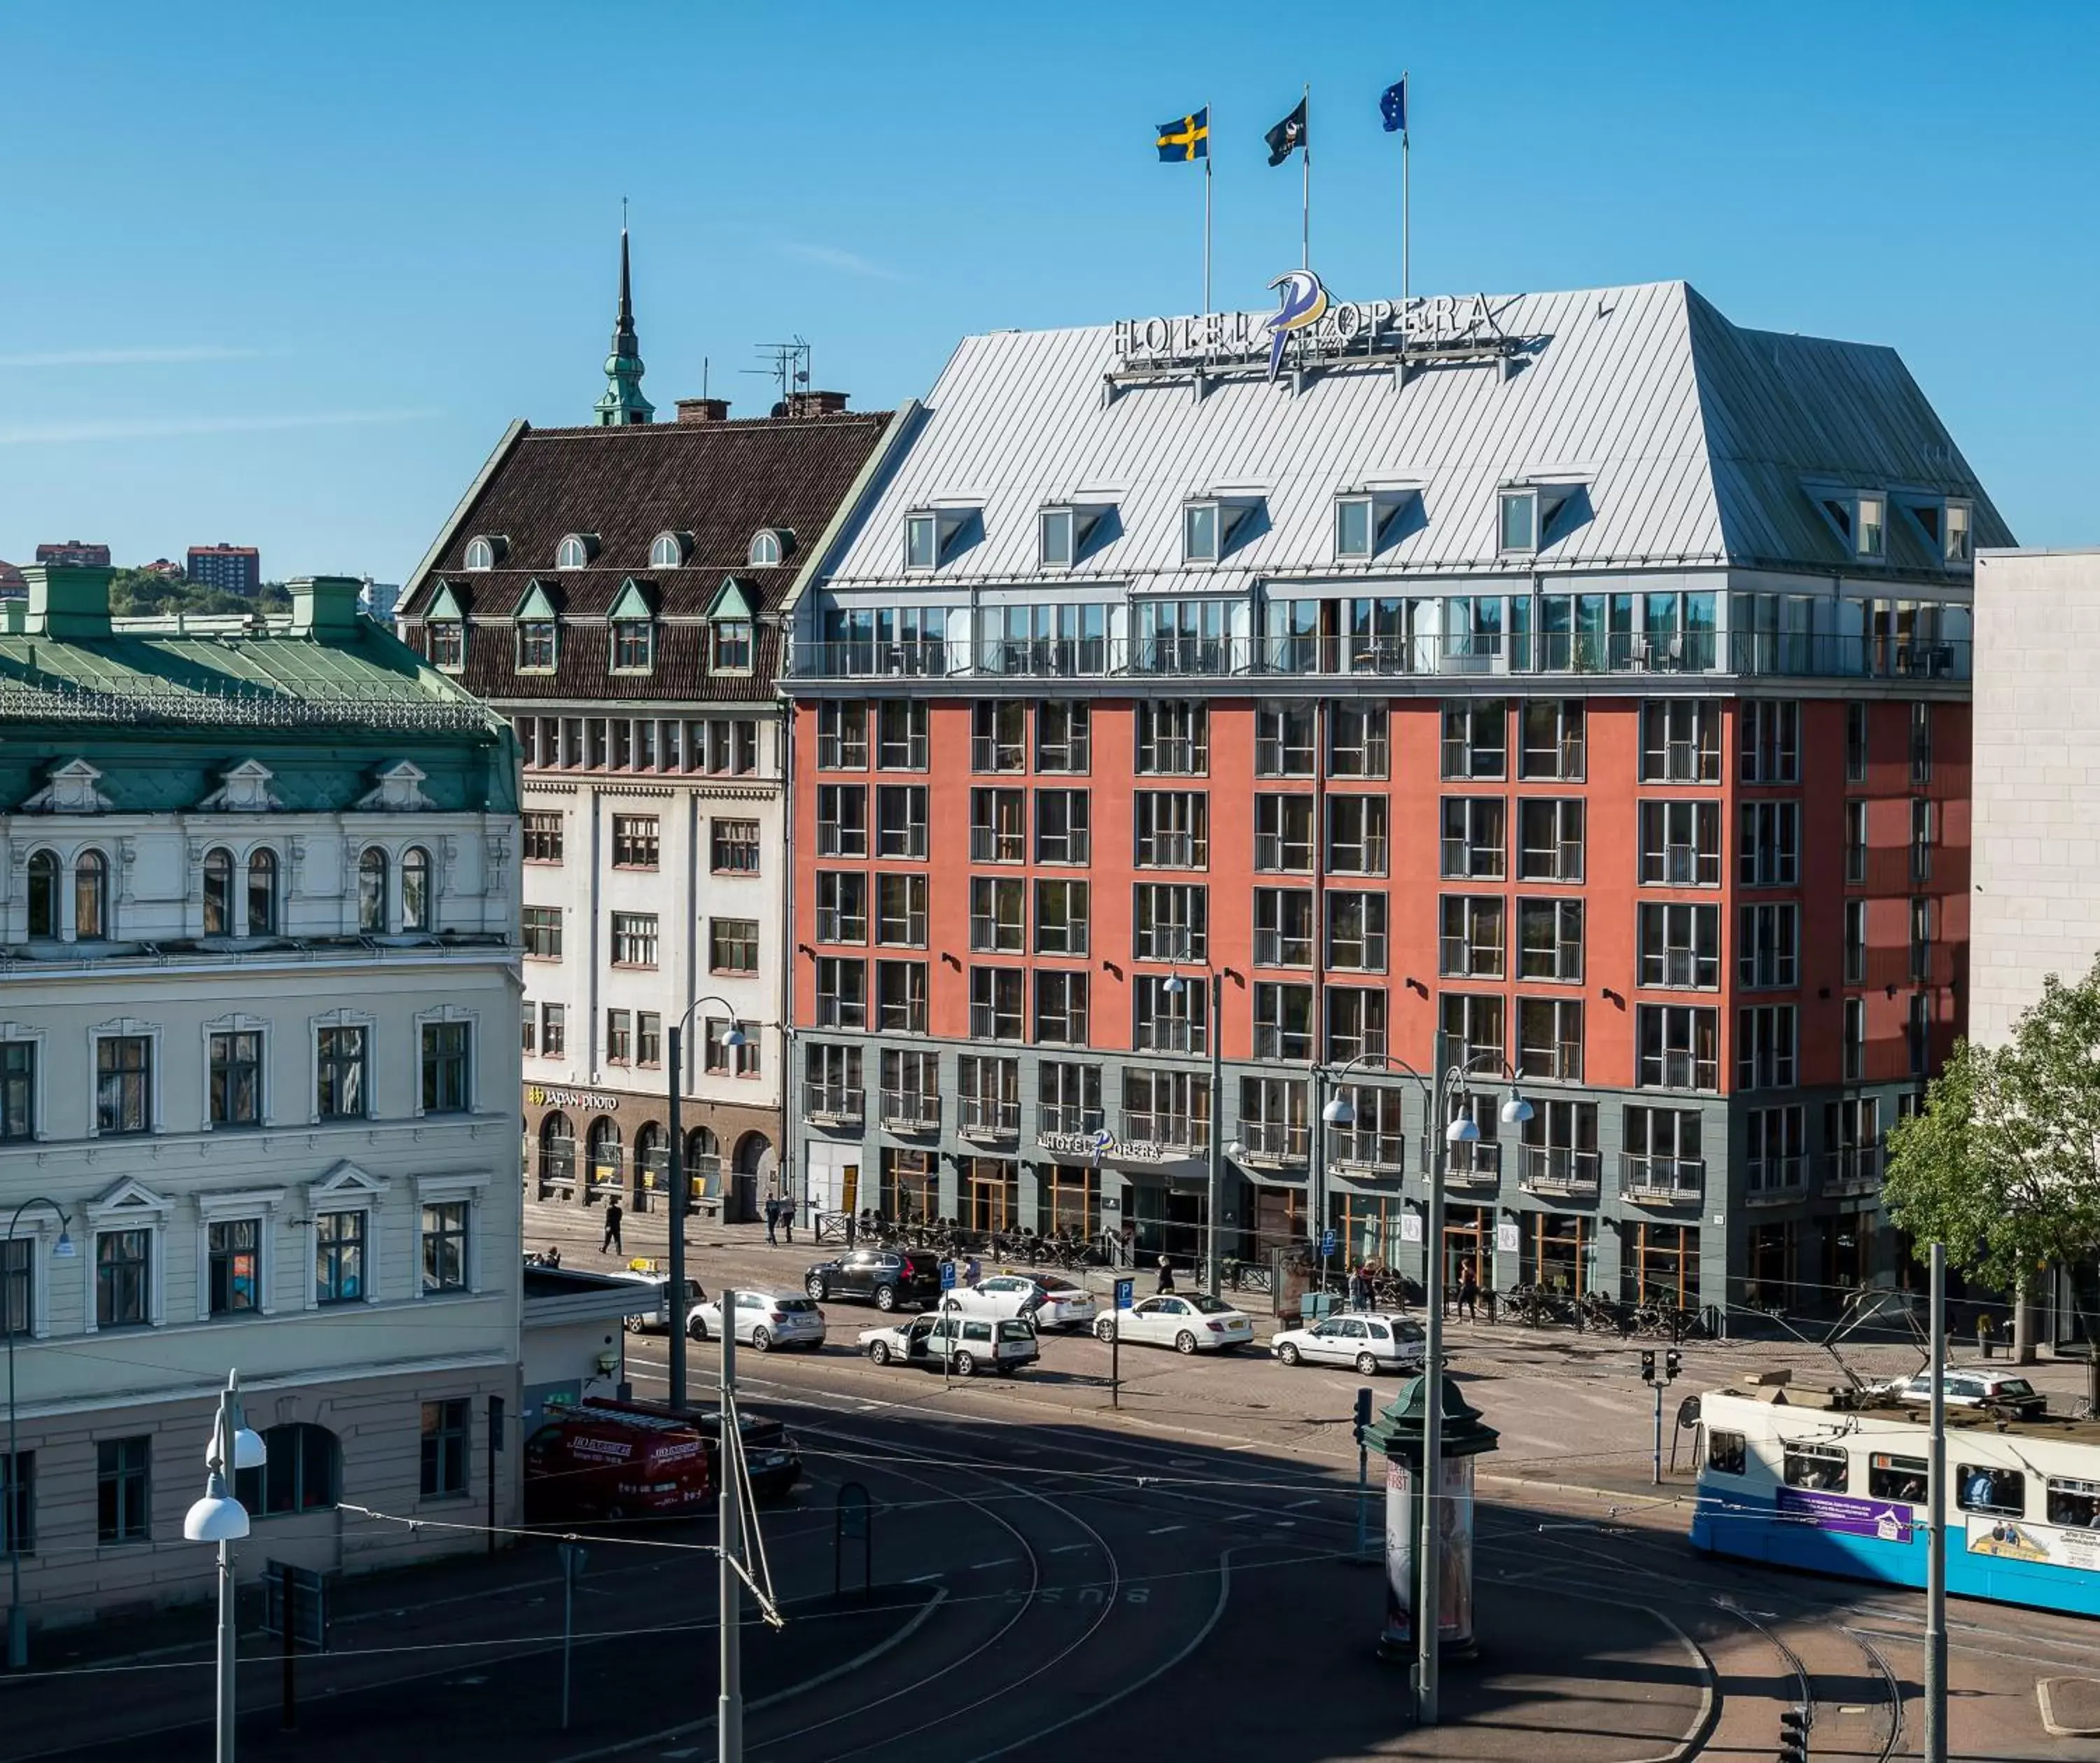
(258, 1060)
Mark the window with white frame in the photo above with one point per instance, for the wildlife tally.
(448, 1067)
(1768, 854)
(341, 1052)
(341, 1244)
(1283, 834)
(575, 550)
(1355, 528)
(1283, 927)
(1355, 930)
(1516, 520)
(1477, 738)
(1169, 1013)
(1680, 741)
(1768, 947)
(1549, 1038)
(922, 541)
(1201, 524)
(1355, 835)
(1169, 922)
(1680, 844)
(416, 900)
(1677, 1047)
(1549, 937)
(668, 550)
(841, 993)
(1356, 739)
(1550, 838)
(1063, 736)
(1475, 838)
(1765, 1046)
(1472, 936)
(446, 1233)
(900, 911)
(1173, 737)
(1355, 1023)
(1056, 535)
(1680, 946)
(125, 1099)
(234, 1068)
(1283, 740)
(1771, 741)
(1062, 917)
(18, 1108)
(481, 552)
(1282, 1021)
(995, 1003)
(900, 820)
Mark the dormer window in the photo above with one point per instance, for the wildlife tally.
(484, 551)
(535, 645)
(1058, 530)
(732, 628)
(1516, 524)
(448, 638)
(633, 647)
(769, 544)
(1200, 523)
(576, 551)
(1958, 542)
(1870, 538)
(1354, 526)
(669, 550)
(922, 542)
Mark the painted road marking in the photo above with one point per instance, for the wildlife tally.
(1163, 1529)
(1299, 1505)
(924, 1579)
(980, 1566)
(1066, 1548)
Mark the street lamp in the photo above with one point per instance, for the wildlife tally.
(1214, 1148)
(219, 1517)
(1515, 1112)
(18, 1619)
(674, 1298)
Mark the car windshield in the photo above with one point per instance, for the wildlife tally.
(923, 1263)
(1209, 1306)
(795, 1303)
(1055, 1286)
(2012, 1386)
(1015, 1331)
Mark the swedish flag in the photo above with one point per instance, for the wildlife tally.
(1185, 138)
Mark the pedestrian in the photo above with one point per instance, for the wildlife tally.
(1359, 1289)
(1469, 1296)
(1986, 1330)
(787, 1217)
(1166, 1275)
(773, 1218)
(613, 1215)
(1489, 1294)
(1129, 1243)
(850, 1229)
(972, 1273)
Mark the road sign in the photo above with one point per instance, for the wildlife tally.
(1125, 1294)
(947, 1276)
(1327, 1244)
(309, 1614)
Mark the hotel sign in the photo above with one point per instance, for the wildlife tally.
(1344, 330)
(1106, 1145)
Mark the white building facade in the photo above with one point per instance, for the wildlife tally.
(258, 1053)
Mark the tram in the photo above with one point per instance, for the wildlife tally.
(1834, 1480)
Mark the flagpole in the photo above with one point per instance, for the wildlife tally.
(1405, 121)
(1305, 200)
(1212, 123)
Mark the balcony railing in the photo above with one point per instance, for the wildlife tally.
(987, 1117)
(1367, 1148)
(1463, 958)
(1459, 654)
(1189, 1132)
(1856, 1171)
(989, 753)
(1069, 1121)
(1557, 1169)
(1770, 1181)
(1646, 1181)
(1561, 1059)
(992, 844)
(1277, 1142)
(911, 1111)
(1478, 1163)
(833, 1104)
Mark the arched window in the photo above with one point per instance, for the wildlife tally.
(702, 1162)
(372, 890)
(44, 894)
(480, 553)
(90, 894)
(219, 893)
(652, 1160)
(603, 1151)
(415, 888)
(573, 552)
(754, 1152)
(304, 1472)
(764, 548)
(262, 893)
(667, 550)
(557, 1150)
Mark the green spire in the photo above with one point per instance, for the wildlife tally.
(623, 402)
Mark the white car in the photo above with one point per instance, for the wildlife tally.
(1375, 1343)
(966, 1345)
(764, 1320)
(1048, 1299)
(1968, 1387)
(1195, 1323)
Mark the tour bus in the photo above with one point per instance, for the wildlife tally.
(1835, 1481)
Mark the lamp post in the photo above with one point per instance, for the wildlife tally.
(1462, 1131)
(1214, 1147)
(18, 1619)
(219, 1518)
(674, 1298)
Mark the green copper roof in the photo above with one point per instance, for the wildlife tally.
(535, 604)
(621, 402)
(631, 602)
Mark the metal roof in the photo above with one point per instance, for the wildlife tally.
(1696, 442)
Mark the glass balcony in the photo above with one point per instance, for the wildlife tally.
(833, 1104)
(1773, 1181)
(911, 1111)
(1274, 1142)
(1367, 1148)
(987, 1117)
(1187, 1131)
(1557, 1170)
(1646, 1180)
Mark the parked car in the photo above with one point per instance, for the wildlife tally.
(1968, 1388)
(1048, 1299)
(966, 1345)
(1374, 1343)
(764, 1320)
(587, 1463)
(775, 1460)
(890, 1279)
(1191, 1323)
(656, 1319)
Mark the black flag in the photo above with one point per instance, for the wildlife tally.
(1287, 136)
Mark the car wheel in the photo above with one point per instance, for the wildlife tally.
(1287, 1353)
(1003, 1369)
(1367, 1365)
(966, 1364)
(885, 1297)
(879, 1351)
(1184, 1342)
(1105, 1330)
(815, 1286)
(761, 1340)
(633, 1324)
(697, 1328)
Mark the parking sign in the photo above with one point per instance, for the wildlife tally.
(1125, 1294)
(947, 1276)
(1326, 1244)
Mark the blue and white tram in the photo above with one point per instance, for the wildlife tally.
(1805, 1478)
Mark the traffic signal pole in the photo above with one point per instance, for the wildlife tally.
(1936, 1546)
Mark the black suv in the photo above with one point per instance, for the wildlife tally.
(890, 1279)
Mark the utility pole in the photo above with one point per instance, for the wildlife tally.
(1935, 1496)
(728, 1719)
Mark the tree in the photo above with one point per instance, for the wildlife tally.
(2003, 1164)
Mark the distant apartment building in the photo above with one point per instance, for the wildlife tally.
(258, 1086)
(74, 554)
(1572, 689)
(377, 600)
(233, 568)
(12, 585)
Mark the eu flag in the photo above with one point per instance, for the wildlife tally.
(1393, 106)
(1185, 138)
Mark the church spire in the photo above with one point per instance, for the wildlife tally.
(622, 402)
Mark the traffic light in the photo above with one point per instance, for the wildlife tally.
(1363, 1413)
(1648, 1366)
(1672, 1361)
(1793, 1735)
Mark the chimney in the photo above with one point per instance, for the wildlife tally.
(703, 409)
(324, 607)
(67, 603)
(804, 404)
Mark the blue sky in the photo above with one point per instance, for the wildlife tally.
(279, 275)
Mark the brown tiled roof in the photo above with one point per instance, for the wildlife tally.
(719, 482)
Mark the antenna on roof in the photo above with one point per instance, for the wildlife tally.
(788, 366)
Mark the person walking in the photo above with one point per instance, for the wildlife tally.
(1469, 1296)
(787, 1218)
(1166, 1275)
(972, 1272)
(1359, 1289)
(1986, 1332)
(613, 1215)
(773, 1218)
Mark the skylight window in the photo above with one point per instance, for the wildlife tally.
(1199, 533)
(1870, 535)
(1058, 529)
(1958, 547)
(1354, 526)
(1517, 520)
(921, 541)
